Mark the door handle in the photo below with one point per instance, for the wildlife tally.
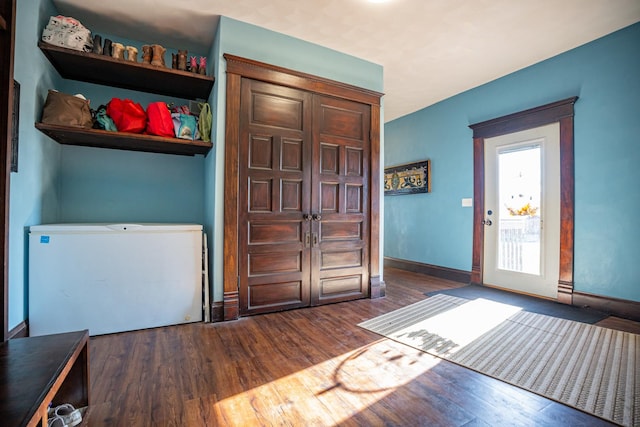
(487, 222)
(307, 239)
(315, 239)
(306, 217)
(317, 217)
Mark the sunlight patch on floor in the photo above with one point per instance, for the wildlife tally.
(458, 326)
(330, 392)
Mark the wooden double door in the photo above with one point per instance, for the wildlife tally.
(303, 199)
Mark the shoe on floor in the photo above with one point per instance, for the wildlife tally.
(56, 421)
(70, 416)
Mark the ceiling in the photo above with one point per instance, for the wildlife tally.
(430, 49)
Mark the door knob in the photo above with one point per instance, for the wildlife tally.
(306, 217)
(317, 217)
(486, 222)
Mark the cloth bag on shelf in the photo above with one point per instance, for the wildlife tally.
(67, 32)
(185, 125)
(102, 120)
(128, 116)
(204, 122)
(159, 120)
(66, 110)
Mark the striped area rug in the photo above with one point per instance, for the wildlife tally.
(587, 367)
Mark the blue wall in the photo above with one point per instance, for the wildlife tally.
(434, 228)
(105, 185)
(249, 41)
(34, 191)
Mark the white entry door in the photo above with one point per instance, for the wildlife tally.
(522, 211)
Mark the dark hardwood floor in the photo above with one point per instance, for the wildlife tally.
(306, 367)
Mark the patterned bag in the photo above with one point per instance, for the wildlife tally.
(185, 125)
(67, 32)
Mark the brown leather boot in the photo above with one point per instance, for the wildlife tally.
(182, 60)
(158, 55)
(146, 54)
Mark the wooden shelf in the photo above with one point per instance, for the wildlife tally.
(105, 70)
(40, 370)
(69, 135)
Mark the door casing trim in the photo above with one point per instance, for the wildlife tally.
(7, 50)
(562, 112)
(238, 68)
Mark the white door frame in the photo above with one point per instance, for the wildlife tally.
(562, 112)
(543, 282)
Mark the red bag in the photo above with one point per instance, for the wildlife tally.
(159, 120)
(128, 116)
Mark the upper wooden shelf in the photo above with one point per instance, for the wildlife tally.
(70, 135)
(105, 70)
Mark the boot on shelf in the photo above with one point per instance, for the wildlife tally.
(158, 55)
(106, 50)
(132, 53)
(182, 60)
(194, 65)
(146, 54)
(202, 66)
(97, 45)
(117, 50)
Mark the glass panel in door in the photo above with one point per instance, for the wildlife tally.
(519, 190)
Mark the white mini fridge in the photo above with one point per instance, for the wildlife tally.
(114, 277)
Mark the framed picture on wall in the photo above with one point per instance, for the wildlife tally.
(410, 178)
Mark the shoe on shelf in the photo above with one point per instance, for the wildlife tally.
(70, 416)
(56, 421)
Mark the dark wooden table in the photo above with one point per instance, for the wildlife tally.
(36, 371)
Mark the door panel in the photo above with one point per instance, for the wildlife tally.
(522, 211)
(339, 253)
(272, 296)
(284, 232)
(303, 223)
(274, 192)
(277, 110)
